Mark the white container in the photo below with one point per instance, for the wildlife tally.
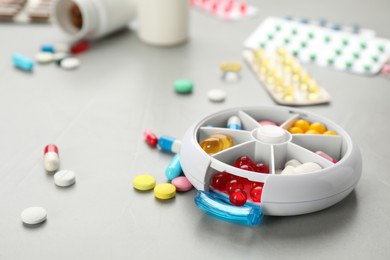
(282, 195)
(99, 17)
(163, 22)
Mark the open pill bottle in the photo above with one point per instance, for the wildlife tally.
(91, 19)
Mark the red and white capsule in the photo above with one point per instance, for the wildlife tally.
(151, 138)
(51, 159)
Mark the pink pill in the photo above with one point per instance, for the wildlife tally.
(386, 69)
(326, 156)
(266, 122)
(182, 183)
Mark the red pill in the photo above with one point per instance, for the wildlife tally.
(220, 180)
(238, 198)
(256, 184)
(244, 160)
(256, 193)
(151, 138)
(262, 168)
(234, 185)
(243, 8)
(79, 47)
(51, 159)
(248, 168)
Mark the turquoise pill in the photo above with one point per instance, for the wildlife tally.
(22, 62)
(183, 86)
(174, 168)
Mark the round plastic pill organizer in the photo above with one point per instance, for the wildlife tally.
(282, 194)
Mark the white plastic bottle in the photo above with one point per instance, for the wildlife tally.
(91, 19)
(163, 22)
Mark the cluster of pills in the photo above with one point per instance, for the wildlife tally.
(216, 143)
(302, 126)
(230, 71)
(237, 187)
(25, 10)
(61, 53)
(225, 9)
(173, 171)
(322, 46)
(285, 79)
(293, 166)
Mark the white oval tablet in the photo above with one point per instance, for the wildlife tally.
(34, 215)
(70, 63)
(64, 178)
(307, 168)
(44, 57)
(216, 95)
(293, 163)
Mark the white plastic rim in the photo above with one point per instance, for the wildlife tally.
(282, 195)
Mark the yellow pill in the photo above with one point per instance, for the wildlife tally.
(320, 128)
(306, 79)
(287, 69)
(226, 140)
(296, 69)
(330, 133)
(234, 66)
(302, 124)
(212, 145)
(296, 77)
(164, 191)
(259, 53)
(295, 130)
(312, 132)
(270, 80)
(303, 86)
(313, 96)
(288, 98)
(313, 88)
(289, 91)
(281, 51)
(144, 182)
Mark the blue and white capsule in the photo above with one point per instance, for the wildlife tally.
(174, 168)
(22, 62)
(234, 122)
(169, 144)
(48, 48)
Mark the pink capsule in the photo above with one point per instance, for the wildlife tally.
(51, 159)
(326, 156)
(151, 138)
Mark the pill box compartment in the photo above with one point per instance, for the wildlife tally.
(282, 195)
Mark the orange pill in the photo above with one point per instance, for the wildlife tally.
(330, 133)
(295, 130)
(320, 128)
(212, 145)
(312, 132)
(302, 124)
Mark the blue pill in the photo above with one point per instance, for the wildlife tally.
(322, 22)
(234, 122)
(48, 48)
(336, 27)
(174, 168)
(304, 20)
(169, 144)
(22, 62)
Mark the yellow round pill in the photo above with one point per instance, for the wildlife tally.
(312, 132)
(295, 130)
(164, 191)
(302, 124)
(330, 133)
(144, 182)
(320, 128)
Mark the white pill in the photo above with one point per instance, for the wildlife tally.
(70, 63)
(34, 215)
(293, 163)
(307, 168)
(59, 56)
(231, 76)
(62, 47)
(64, 178)
(44, 57)
(216, 95)
(288, 170)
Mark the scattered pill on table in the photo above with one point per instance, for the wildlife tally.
(144, 182)
(150, 138)
(173, 169)
(183, 86)
(47, 48)
(169, 144)
(23, 62)
(44, 57)
(164, 191)
(51, 158)
(230, 76)
(182, 183)
(216, 95)
(34, 215)
(69, 63)
(79, 47)
(233, 66)
(64, 178)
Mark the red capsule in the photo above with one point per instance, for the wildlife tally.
(238, 198)
(79, 47)
(234, 185)
(256, 193)
(262, 168)
(51, 159)
(220, 180)
(151, 138)
(51, 148)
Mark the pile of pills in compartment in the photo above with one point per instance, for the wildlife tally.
(230, 71)
(173, 171)
(225, 9)
(285, 79)
(25, 11)
(302, 126)
(61, 53)
(322, 46)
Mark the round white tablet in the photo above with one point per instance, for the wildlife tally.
(44, 57)
(70, 63)
(34, 215)
(216, 95)
(64, 178)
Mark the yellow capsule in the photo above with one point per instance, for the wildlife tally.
(270, 80)
(303, 86)
(288, 61)
(226, 140)
(259, 54)
(289, 91)
(302, 124)
(313, 96)
(279, 88)
(281, 51)
(212, 145)
(289, 98)
(312, 132)
(234, 66)
(287, 69)
(262, 70)
(296, 69)
(329, 132)
(313, 88)
(306, 79)
(296, 77)
(320, 128)
(296, 130)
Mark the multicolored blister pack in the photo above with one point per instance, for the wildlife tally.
(356, 53)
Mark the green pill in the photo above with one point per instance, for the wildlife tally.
(375, 58)
(348, 64)
(330, 61)
(183, 86)
(356, 55)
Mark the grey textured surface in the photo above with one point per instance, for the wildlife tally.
(96, 116)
